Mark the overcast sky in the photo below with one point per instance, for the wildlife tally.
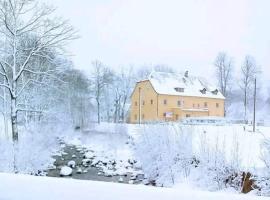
(184, 34)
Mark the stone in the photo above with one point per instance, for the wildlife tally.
(65, 171)
(89, 155)
(71, 164)
(120, 180)
(79, 170)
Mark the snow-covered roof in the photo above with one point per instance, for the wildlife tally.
(183, 84)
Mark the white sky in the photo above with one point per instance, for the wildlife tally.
(185, 34)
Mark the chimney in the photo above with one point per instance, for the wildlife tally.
(186, 74)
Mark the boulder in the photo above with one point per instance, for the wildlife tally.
(89, 155)
(120, 180)
(65, 171)
(71, 164)
(79, 170)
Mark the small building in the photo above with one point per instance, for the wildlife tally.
(174, 96)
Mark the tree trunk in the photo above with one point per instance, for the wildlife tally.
(98, 107)
(245, 106)
(15, 135)
(14, 122)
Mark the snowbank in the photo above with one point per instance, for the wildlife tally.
(237, 142)
(23, 187)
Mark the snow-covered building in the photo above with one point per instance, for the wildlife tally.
(174, 96)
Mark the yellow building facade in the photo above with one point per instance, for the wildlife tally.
(162, 98)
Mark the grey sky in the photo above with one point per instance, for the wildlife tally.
(184, 34)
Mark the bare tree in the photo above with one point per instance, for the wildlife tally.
(77, 97)
(122, 86)
(29, 32)
(248, 75)
(102, 76)
(224, 68)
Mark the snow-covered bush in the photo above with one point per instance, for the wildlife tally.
(216, 170)
(170, 153)
(266, 153)
(33, 152)
(165, 152)
(263, 181)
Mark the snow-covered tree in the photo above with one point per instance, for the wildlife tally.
(224, 69)
(28, 32)
(77, 97)
(123, 85)
(101, 77)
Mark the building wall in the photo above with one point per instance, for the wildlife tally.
(156, 107)
(148, 107)
(190, 103)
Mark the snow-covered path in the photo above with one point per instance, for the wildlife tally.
(24, 187)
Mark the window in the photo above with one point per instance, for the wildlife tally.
(187, 115)
(165, 102)
(203, 91)
(143, 103)
(178, 89)
(217, 105)
(164, 114)
(179, 103)
(152, 101)
(135, 117)
(205, 104)
(136, 103)
(215, 92)
(198, 105)
(176, 117)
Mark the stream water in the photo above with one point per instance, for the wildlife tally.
(87, 172)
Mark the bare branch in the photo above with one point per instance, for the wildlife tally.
(4, 85)
(24, 65)
(28, 110)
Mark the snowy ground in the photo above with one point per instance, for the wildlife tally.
(114, 143)
(23, 187)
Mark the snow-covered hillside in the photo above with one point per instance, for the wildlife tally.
(22, 187)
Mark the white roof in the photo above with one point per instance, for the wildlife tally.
(165, 83)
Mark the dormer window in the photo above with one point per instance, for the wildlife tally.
(215, 92)
(178, 89)
(203, 91)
